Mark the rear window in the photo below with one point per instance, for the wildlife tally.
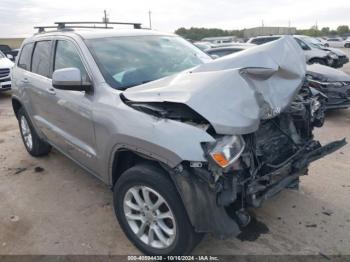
(25, 57)
(41, 58)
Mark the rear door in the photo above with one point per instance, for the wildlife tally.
(39, 89)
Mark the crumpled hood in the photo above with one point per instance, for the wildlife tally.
(327, 74)
(234, 92)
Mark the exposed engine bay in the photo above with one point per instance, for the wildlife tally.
(276, 155)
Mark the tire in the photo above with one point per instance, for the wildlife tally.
(318, 61)
(326, 45)
(151, 179)
(347, 46)
(34, 145)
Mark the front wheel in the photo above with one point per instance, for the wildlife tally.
(151, 212)
(347, 45)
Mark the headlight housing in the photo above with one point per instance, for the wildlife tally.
(226, 150)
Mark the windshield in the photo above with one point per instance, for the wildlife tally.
(313, 42)
(129, 61)
(2, 55)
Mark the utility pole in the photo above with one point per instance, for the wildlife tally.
(105, 18)
(289, 29)
(150, 19)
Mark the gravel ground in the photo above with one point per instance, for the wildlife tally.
(51, 206)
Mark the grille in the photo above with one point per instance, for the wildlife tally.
(4, 72)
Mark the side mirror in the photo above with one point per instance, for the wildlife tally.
(214, 56)
(69, 79)
(9, 56)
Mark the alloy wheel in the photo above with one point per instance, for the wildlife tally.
(26, 133)
(149, 217)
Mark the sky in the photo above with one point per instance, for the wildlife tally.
(17, 17)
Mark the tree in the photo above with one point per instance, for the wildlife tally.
(196, 34)
(342, 29)
(325, 31)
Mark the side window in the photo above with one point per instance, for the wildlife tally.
(26, 55)
(41, 58)
(67, 56)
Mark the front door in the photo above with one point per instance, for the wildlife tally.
(72, 114)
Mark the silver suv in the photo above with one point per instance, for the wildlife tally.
(185, 143)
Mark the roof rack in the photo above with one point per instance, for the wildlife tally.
(71, 25)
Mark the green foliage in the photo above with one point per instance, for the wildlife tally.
(325, 31)
(197, 34)
(342, 29)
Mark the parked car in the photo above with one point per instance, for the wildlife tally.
(5, 49)
(5, 72)
(187, 143)
(226, 50)
(203, 45)
(313, 55)
(337, 42)
(333, 83)
(342, 56)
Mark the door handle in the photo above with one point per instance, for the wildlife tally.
(51, 91)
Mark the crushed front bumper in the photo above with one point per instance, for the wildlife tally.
(288, 173)
(201, 197)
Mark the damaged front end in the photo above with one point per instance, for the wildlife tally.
(260, 112)
(254, 167)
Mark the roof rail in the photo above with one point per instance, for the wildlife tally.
(71, 25)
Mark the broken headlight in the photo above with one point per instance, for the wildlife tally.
(226, 150)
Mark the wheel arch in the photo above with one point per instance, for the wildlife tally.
(125, 158)
(16, 105)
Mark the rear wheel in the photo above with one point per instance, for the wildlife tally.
(347, 45)
(151, 212)
(34, 145)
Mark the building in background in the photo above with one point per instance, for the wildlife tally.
(220, 39)
(267, 30)
(12, 42)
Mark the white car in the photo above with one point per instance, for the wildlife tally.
(316, 42)
(313, 55)
(338, 42)
(5, 72)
